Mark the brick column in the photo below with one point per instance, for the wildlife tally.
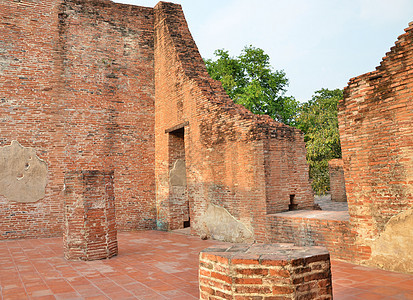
(337, 183)
(260, 271)
(90, 223)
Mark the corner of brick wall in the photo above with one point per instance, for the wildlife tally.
(235, 159)
(375, 119)
(375, 123)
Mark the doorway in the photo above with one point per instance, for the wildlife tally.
(179, 209)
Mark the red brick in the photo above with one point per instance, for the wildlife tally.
(92, 107)
(249, 271)
(90, 224)
(252, 289)
(248, 281)
(222, 277)
(280, 273)
(282, 290)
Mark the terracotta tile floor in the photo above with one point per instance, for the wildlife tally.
(151, 265)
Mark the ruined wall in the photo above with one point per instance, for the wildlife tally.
(77, 87)
(376, 131)
(78, 94)
(337, 182)
(230, 169)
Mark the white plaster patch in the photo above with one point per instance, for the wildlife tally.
(219, 224)
(393, 250)
(23, 175)
(178, 173)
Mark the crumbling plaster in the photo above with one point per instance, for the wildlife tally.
(177, 175)
(217, 223)
(23, 175)
(392, 250)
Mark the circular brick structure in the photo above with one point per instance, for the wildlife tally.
(265, 271)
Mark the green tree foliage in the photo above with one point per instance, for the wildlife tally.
(249, 80)
(318, 120)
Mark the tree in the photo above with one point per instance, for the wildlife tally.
(318, 120)
(249, 80)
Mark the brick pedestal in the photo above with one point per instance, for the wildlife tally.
(260, 271)
(90, 223)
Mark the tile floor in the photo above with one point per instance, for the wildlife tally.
(151, 265)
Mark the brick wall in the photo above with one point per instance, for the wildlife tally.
(234, 159)
(77, 86)
(107, 52)
(319, 228)
(377, 138)
(375, 121)
(31, 110)
(285, 170)
(337, 182)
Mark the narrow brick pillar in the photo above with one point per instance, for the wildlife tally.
(90, 224)
(260, 271)
(337, 182)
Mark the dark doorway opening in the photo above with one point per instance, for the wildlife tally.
(178, 199)
(293, 205)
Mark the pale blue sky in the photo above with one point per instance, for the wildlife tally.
(318, 43)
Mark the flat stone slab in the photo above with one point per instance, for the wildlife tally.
(278, 251)
(316, 214)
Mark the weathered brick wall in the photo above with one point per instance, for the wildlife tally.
(277, 271)
(226, 147)
(319, 228)
(375, 118)
(285, 166)
(376, 131)
(107, 52)
(31, 109)
(90, 222)
(77, 86)
(337, 182)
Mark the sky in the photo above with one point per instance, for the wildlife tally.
(318, 43)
